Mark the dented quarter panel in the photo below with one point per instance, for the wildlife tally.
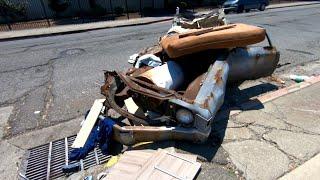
(252, 63)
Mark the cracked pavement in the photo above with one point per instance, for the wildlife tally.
(54, 80)
(266, 143)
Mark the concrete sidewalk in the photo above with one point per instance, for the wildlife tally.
(267, 141)
(270, 140)
(64, 29)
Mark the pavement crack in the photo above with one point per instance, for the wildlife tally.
(291, 157)
(49, 97)
(299, 51)
(284, 119)
(25, 68)
(15, 146)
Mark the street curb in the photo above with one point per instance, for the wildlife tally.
(273, 95)
(308, 170)
(83, 30)
(116, 26)
(294, 5)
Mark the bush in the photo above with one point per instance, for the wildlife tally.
(98, 10)
(58, 5)
(12, 10)
(183, 5)
(118, 10)
(199, 2)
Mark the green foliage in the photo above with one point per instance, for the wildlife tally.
(58, 5)
(199, 2)
(92, 3)
(12, 10)
(98, 11)
(183, 5)
(118, 10)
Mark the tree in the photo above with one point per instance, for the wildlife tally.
(12, 10)
(59, 5)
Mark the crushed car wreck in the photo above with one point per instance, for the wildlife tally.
(179, 85)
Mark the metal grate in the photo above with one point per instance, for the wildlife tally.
(46, 161)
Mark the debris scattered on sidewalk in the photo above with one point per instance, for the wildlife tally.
(86, 128)
(148, 60)
(160, 164)
(172, 92)
(102, 134)
(70, 168)
(174, 89)
(133, 108)
(112, 161)
(88, 178)
(298, 78)
(277, 79)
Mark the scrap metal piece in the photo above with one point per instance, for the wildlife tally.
(252, 63)
(129, 135)
(211, 94)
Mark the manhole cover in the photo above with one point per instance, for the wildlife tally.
(72, 52)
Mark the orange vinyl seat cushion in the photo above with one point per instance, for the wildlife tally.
(227, 36)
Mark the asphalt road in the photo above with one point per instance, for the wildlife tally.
(60, 76)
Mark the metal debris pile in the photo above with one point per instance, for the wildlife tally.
(172, 92)
(175, 95)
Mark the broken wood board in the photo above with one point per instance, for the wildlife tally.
(169, 166)
(88, 124)
(160, 164)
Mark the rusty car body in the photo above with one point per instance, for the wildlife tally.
(184, 110)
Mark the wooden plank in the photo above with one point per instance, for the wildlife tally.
(88, 124)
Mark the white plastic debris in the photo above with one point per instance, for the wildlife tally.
(298, 78)
(149, 60)
(168, 75)
(37, 112)
(133, 58)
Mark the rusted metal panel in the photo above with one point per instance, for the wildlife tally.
(183, 114)
(129, 135)
(211, 94)
(252, 63)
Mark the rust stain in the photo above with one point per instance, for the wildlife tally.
(205, 105)
(218, 76)
(258, 56)
(206, 102)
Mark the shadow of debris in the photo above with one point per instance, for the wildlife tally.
(237, 99)
(209, 151)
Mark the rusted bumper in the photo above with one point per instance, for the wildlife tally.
(129, 135)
